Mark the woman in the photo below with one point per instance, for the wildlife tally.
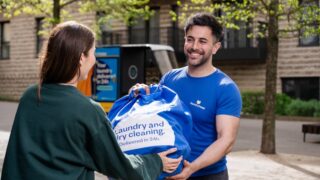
(60, 134)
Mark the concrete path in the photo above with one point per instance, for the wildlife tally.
(289, 138)
(251, 165)
(295, 160)
(7, 112)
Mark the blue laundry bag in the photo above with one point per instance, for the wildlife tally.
(153, 123)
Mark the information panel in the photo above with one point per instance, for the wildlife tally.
(106, 79)
(106, 74)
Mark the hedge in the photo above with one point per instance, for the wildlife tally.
(253, 103)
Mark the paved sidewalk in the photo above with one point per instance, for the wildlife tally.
(251, 165)
(247, 165)
(243, 164)
(4, 137)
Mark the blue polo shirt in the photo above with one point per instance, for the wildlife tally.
(207, 97)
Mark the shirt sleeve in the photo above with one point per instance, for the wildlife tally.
(229, 102)
(108, 158)
(164, 78)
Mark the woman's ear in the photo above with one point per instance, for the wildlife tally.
(82, 58)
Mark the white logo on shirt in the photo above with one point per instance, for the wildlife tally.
(197, 104)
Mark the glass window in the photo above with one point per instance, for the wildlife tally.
(154, 23)
(237, 38)
(5, 40)
(146, 31)
(137, 32)
(108, 36)
(304, 88)
(312, 39)
(39, 36)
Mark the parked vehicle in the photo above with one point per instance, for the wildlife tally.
(120, 67)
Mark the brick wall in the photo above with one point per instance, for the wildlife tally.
(165, 23)
(297, 61)
(248, 76)
(21, 70)
(293, 61)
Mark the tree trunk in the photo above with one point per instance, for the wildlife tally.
(268, 145)
(56, 12)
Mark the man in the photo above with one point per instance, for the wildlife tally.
(213, 98)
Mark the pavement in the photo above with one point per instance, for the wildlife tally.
(243, 163)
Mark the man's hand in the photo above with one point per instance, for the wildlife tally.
(169, 164)
(137, 89)
(186, 172)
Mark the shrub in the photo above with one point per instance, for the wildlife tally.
(282, 102)
(317, 110)
(9, 99)
(303, 108)
(253, 103)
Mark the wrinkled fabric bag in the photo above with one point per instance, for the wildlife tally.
(153, 123)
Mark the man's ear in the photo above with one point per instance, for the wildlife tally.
(216, 47)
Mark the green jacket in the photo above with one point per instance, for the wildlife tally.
(67, 136)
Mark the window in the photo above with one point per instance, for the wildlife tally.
(313, 39)
(304, 88)
(39, 37)
(146, 31)
(237, 38)
(175, 34)
(4, 40)
(234, 38)
(108, 36)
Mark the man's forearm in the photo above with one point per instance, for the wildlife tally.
(213, 153)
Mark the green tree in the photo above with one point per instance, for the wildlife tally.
(55, 11)
(300, 15)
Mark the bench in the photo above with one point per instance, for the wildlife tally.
(310, 128)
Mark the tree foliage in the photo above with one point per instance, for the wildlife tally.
(125, 10)
(296, 13)
(56, 11)
(297, 17)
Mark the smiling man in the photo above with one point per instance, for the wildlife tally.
(213, 98)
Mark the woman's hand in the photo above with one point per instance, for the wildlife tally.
(169, 164)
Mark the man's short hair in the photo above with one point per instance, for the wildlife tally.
(205, 19)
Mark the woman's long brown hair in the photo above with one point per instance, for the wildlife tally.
(61, 59)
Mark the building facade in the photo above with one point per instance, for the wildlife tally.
(20, 50)
(242, 58)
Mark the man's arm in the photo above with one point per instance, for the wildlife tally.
(227, 128)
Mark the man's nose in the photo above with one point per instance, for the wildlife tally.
(195, 45)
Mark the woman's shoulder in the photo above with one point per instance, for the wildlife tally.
(31, 91)
(85, 103)
(97, 106)
(31, 88)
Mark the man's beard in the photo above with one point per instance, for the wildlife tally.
(202, 61)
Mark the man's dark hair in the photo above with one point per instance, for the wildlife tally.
(205, 19)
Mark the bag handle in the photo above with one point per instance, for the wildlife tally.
(155, 92)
